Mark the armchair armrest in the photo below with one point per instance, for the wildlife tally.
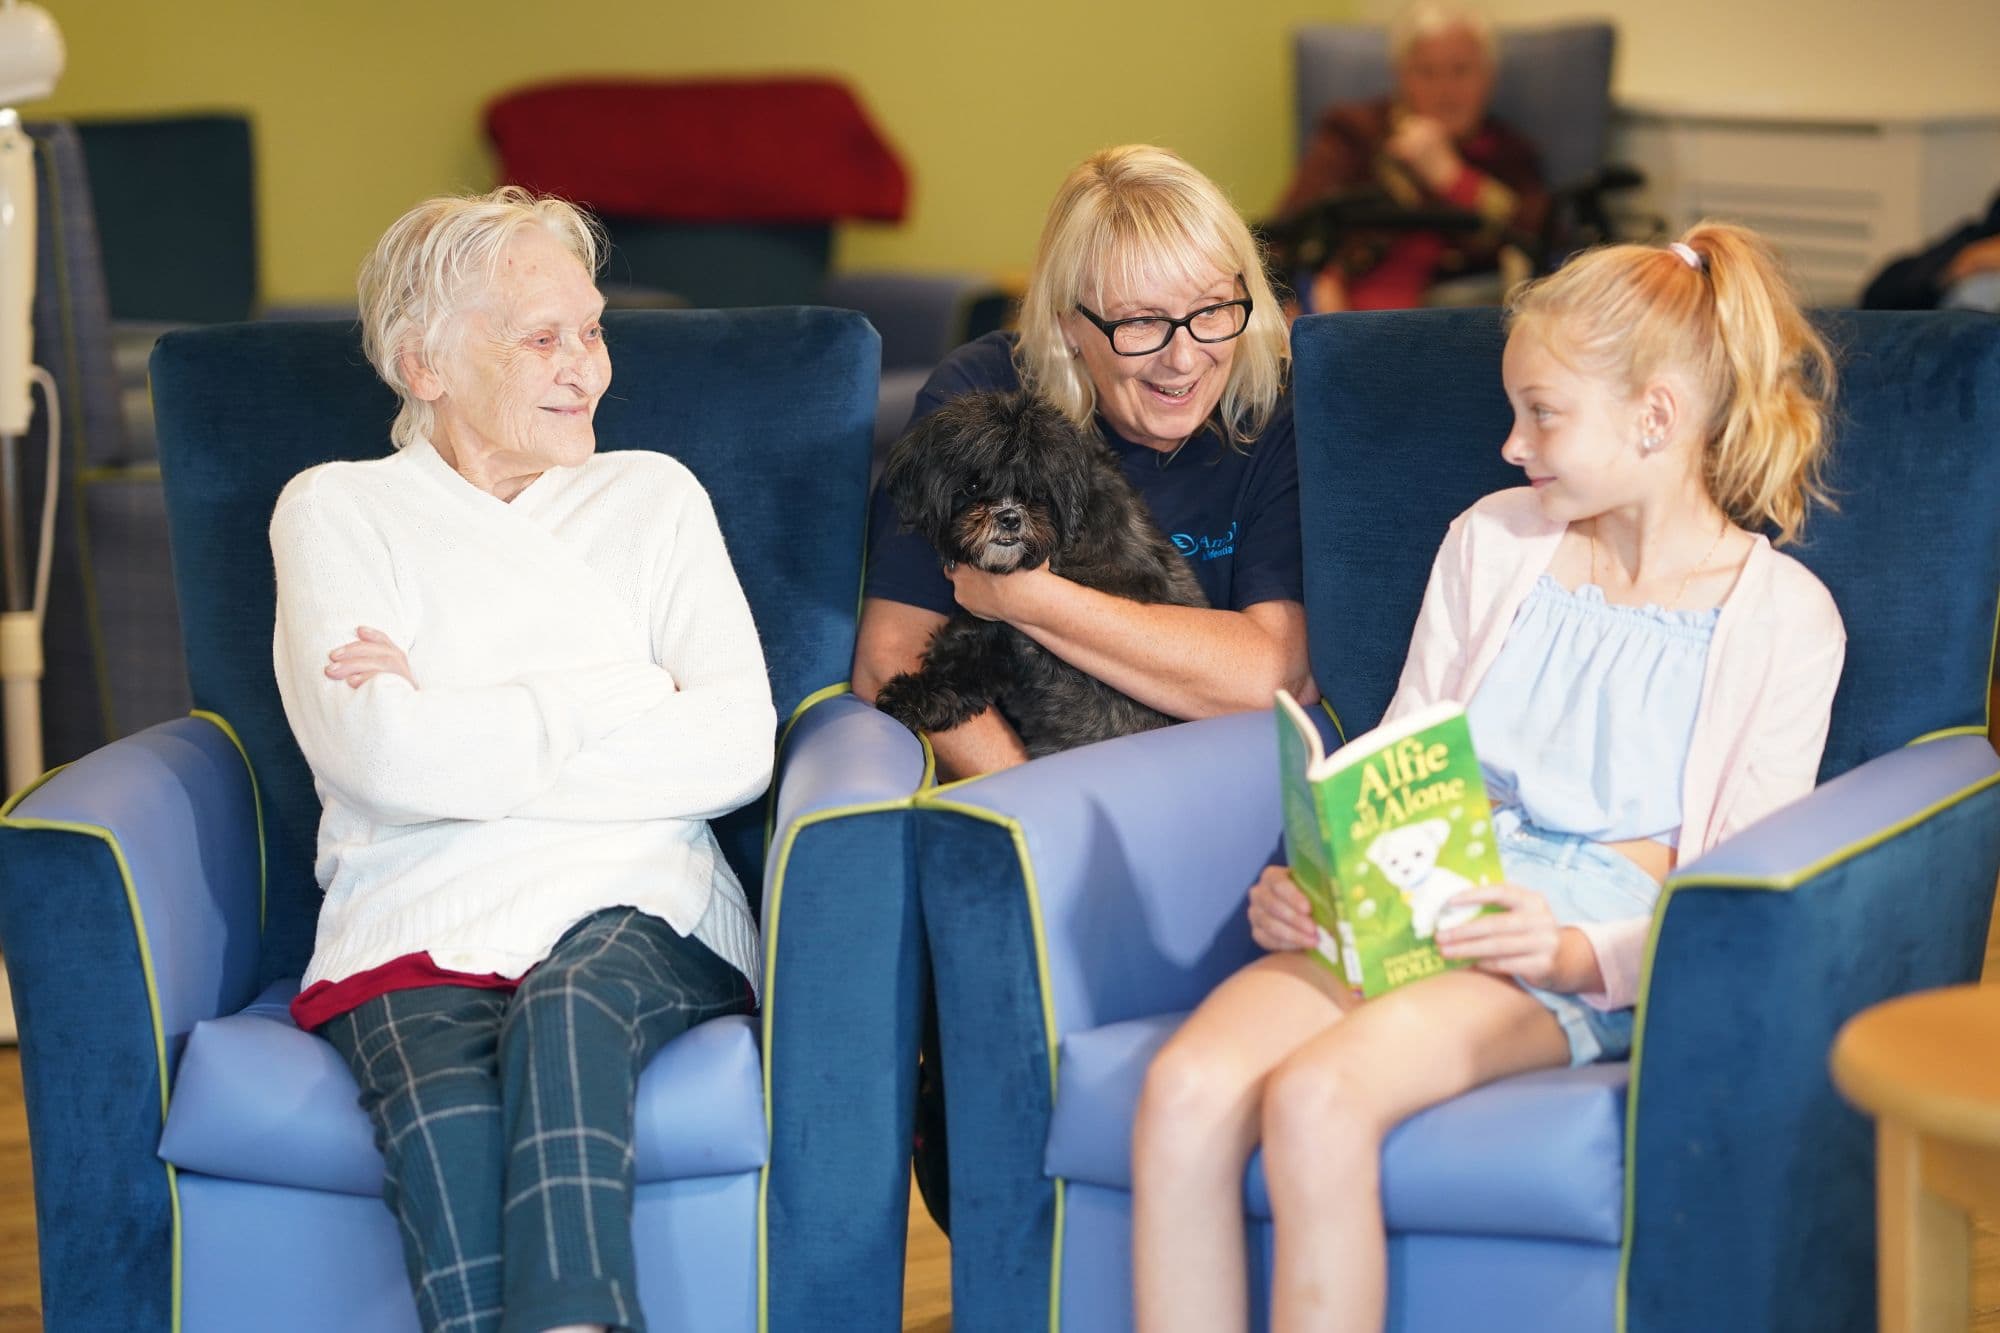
(1130, 864)
(131, 887)
(1083, 888)
(843, 1010)
(1744, 1165)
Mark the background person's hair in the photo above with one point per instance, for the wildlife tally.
(1734, 326)
(1428, 18)
(433, 264)
(1128, 219)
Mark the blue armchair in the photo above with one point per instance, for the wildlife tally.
(201, 1163)
(1077, 907)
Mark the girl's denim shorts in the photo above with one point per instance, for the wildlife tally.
(1583, 881)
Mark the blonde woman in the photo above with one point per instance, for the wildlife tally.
(1644, 674)
(1148, 318)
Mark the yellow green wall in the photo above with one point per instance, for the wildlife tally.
(1812, 58)
(362, 107)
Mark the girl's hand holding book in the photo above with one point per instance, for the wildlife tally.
(1280, 916)
(1524, 941)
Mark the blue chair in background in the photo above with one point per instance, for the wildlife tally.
(1077, 907)
(201, 1163)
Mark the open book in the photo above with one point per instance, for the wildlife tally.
(1381, 834)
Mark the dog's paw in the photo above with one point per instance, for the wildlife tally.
(899, 698)
(921, 706)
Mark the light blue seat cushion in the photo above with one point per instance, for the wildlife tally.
(1540, 1155)
(700, 1107)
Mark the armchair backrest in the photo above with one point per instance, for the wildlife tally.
(1400, 420)
(177, 213)
(1553, 84)
(772, 409)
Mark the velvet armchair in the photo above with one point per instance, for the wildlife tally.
(199, 1161)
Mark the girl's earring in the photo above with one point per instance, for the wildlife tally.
(1075, 351)
(1649, 442)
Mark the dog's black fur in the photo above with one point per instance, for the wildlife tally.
(1004, 482)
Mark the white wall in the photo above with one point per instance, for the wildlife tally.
(1797, 57)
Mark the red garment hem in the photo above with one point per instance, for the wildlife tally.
(324, 1001)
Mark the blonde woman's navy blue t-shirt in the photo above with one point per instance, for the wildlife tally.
(1232, 513)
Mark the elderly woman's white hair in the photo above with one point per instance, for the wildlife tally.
(1428, 18)
(1130, 218)
(433, 265)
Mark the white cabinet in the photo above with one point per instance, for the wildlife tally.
(1839, 195)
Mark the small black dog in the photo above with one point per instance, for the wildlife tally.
(1003, 481)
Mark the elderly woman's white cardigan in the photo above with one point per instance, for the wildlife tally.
(591, 689)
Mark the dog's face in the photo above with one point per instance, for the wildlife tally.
(1405, 856)
(993, 480)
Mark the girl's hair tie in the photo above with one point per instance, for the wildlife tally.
(1689, 256)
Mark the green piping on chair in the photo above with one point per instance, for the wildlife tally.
(1773, 884)
(221, 723)
(930, 801)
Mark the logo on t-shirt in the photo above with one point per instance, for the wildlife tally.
(1205, 548)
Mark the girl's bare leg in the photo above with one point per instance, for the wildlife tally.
(1328, 1107)
(1197, 1122)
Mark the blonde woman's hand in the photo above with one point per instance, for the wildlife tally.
(1010, 597)
(369, 655)
(1280, 916)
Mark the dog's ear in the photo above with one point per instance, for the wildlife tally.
(910, 483)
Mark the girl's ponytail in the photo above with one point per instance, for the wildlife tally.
(1767, 447)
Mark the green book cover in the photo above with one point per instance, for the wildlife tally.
(1381, 834)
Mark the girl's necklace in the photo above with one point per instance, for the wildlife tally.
(1693, 569)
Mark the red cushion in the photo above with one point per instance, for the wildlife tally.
(710, 150)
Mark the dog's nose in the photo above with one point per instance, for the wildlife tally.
(1009, 520)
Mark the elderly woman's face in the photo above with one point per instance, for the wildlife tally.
(1446, 76)
(1160, 399)
(522, 390)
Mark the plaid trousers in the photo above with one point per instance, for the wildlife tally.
(505, 1121)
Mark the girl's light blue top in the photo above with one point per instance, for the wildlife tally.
(1583, 722)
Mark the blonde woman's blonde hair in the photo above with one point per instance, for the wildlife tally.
(1131, 219)
(433, 264)
(1732, 323)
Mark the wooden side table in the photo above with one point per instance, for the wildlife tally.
(1927, 1067)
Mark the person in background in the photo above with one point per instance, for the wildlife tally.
(1431, 144)
(1962, 271)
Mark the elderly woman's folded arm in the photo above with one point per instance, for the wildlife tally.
(707, 748)
(404, 755)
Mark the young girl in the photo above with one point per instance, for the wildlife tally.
(1644, 675)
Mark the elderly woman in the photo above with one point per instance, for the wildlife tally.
(1431, 144)
(1148, 319)
(523, 676)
